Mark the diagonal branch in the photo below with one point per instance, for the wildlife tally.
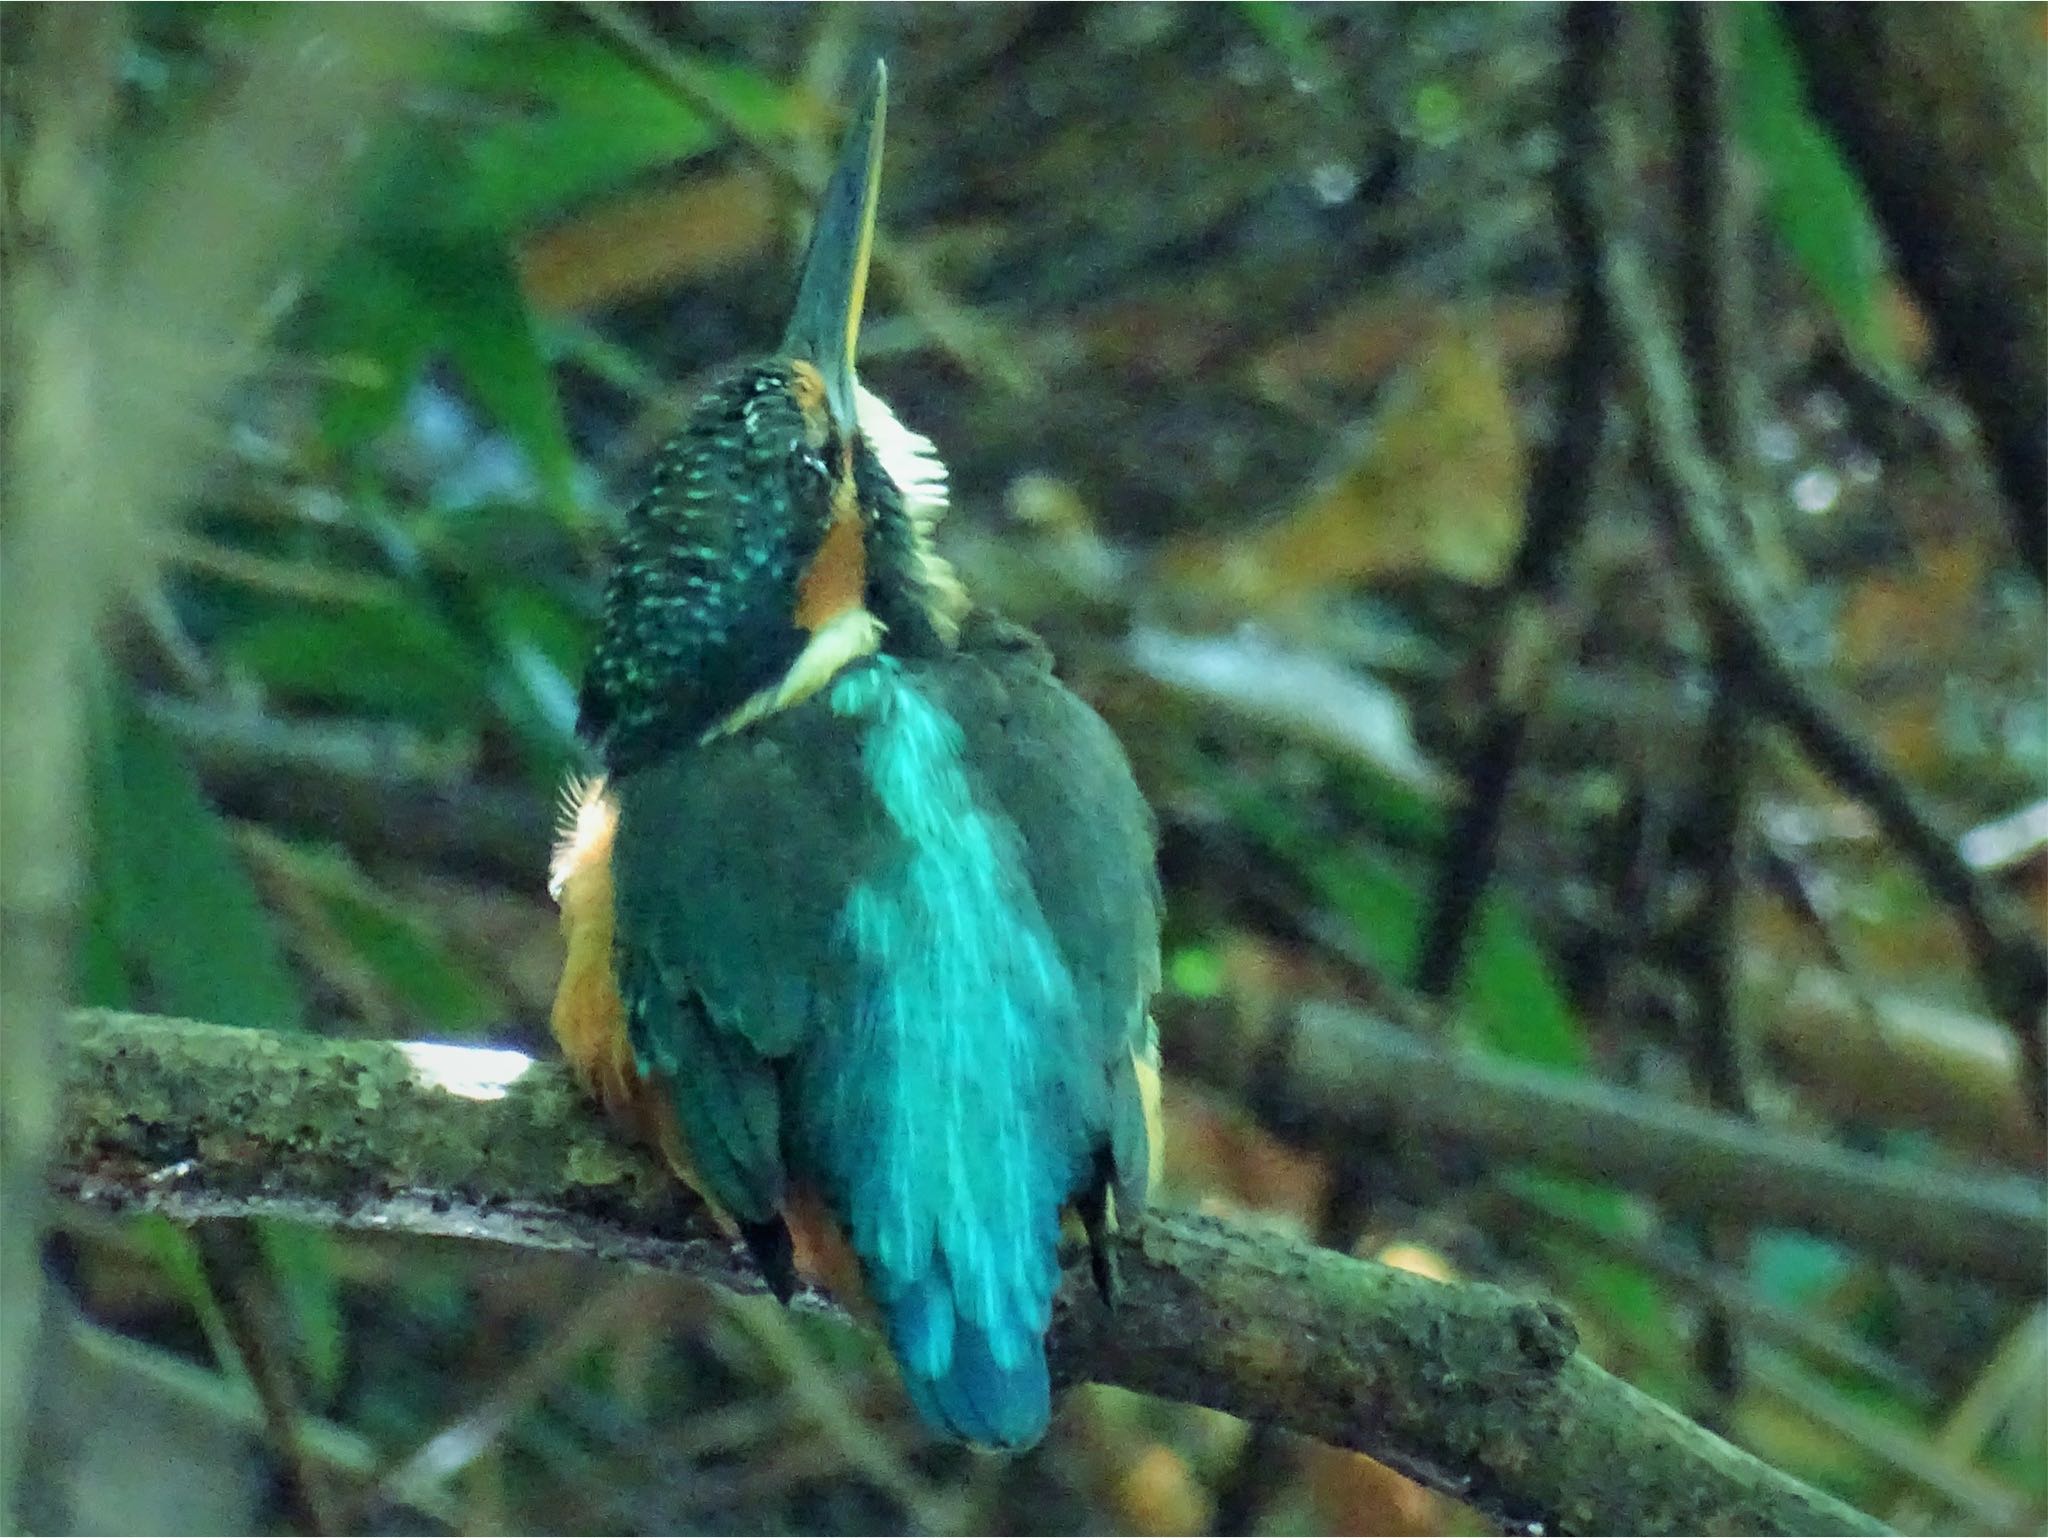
(2010, 957)
(969, 339)
(1469, 1389)
(1335, 1075)
(1940, 109)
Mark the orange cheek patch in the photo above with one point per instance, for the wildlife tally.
(807, 387)
(838, 576)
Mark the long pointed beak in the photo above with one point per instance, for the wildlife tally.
(825, 325)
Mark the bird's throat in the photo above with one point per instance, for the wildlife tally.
(846, 637)
(837, 577)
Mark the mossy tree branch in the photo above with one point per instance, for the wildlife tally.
(1330, 1076)
(1467, 1388)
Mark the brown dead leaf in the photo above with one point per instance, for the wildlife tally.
(1916, 605)
(645, 242)
(1898, 1058)
(1437, 486)
(1353, 1494)
(1233, 1165)
(1912, 736)
(1160, 1494)
(1361, 340)
(1907, 323)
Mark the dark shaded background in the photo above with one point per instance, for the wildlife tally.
(1248, 332)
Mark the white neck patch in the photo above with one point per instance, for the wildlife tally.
(912, 462)
(911, 458)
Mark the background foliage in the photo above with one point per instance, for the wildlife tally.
(1240, 328)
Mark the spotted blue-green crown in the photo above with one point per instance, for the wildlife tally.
(702, 612)
(699, 612)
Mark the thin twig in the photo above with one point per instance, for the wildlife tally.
(1559, 497)
(235, 1270)
(2010, 958)
(1713, 280)
(970, 339)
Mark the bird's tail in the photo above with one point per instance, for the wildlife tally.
(987, 1386)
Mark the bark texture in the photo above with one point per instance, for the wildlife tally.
(1474, 1391)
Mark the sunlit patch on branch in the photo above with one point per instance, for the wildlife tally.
(474, 1073)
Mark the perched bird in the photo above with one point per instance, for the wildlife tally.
(862, 918)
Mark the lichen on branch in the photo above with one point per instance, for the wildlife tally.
(1468, 1388)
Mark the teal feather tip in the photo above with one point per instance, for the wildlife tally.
(951, 1185)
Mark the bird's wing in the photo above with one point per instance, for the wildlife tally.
(732, 866)
(1050, 764)
(735, 861)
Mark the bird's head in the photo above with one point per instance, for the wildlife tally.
(788, 530)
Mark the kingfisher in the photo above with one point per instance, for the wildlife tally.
(862, 915)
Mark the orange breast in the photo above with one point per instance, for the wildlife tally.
(589, 1018)
(589, 1021)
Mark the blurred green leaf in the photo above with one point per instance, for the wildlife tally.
(1510, 1000)
(1196, 971)
(595, 120)
(397, 304)
(301, 1262)
(101, 969)
(547, 119)
(386, 659)
(177, 1255)
(1409, 817)
(473, 291)
(536, 647)
(378, 334)
(1436, 114)
(407, 958)
(1625, 1299)
(1512, 995)
(1811, 197)
(1796, 1270)
(1284, 28)
(182, 913)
